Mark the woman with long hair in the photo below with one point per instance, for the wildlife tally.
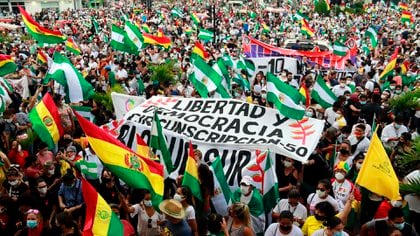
(239, 222)
(184, 196)
(333, 226)
(34, 224)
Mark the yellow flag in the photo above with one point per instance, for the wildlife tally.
(377, 173)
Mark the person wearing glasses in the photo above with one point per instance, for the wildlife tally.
(292, 205)
(34, 225)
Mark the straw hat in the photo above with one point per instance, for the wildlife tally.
(172, 208)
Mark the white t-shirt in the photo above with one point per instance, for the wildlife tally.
(321, 232)
(190, 213)
(390, 132)
(299, 211)
(274, 230)
(342, 192)
(143, 220)
(330, 115)
(314, 199)
(121, 74)
(338, 90)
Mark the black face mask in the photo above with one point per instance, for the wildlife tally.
(106, 180)
(320, 218)
(285, 228)
(344, 151)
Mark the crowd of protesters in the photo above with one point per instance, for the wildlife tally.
(41, 189)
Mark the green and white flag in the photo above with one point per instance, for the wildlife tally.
(204, 78)
(284, 97)
(95, 25)
(158, 141)
(120, 41)
(365, 49)
(220, 68)
(339, 49)
(75, 86)
(88, 169)
(373, 35)
(222, 194)
(299, 16)
(206, 35)
(227, 59)
(246, 65)
(270, 186)
(322, 94)
(2, 105)
(134, 35)
(85, 111)
(177, 13)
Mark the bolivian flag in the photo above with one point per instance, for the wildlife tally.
(136, 171)
(200, 50)
(403, 6)
(72, 47)
(160, 40)
(265, 27)
(100, 219)
(7, 65)
(190, 178)
(39, 33)
(195, 18)
(42, 57)
(389, 68)
(306, 29)
(146, 28)
(406, 16)
(46, 121)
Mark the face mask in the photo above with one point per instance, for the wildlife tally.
(19, 148)
(147, 203)
(14, 182)
(178, 197)
(339, 233)
(397, 126)
(396, 203)
(285, 228)
(309, 113)
(344, 151)
(362, 102)
(342, 85)
(245, 190)
(392, 87)
(319, 218)
(31, 224)
(339, 176)
(397, 91)
(358, 166)
(287, 164)
(262, 81)
(71, 158)
(321, 194)
(399, 226)
(383, 96)
(51, 172)
(43, 190)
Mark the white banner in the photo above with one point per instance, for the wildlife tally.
(275, 65)
(231, 129)
(124, 103)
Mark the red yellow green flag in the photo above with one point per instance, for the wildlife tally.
(46, 121)
(306, 29)
(160, 40)
(403, 6)
(7, 65)
(406, 16)
(100, 220)
(190, 178)
(39, 33)
(389, 68)
(200, 50)
(72, 46)
(42, 57)
(136, 171)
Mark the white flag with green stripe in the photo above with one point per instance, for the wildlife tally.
(177, 13)
(121, 42)
(75, 86)
(373, 35)
(134, 35)
(339, 49)
(206, 35)
(222, 194)
(284, 97)
(204, 78)
(247, 65)
(220, 68)
(270, 186)
(88, 169)
(85, 111)
(322, 94)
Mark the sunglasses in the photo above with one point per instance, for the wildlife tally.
(35, 211)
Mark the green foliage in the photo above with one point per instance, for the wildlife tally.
(407, 101)
(105, 98)
(164, 73)
(411, 160)
(413, 186)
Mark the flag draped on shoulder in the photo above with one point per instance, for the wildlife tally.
(204, 78)
(269, 186)
(158, 141)
(222, 194)
(100, 219)
(39, 33)
(134, 170)
(322, 94)
(7, 65)
(190, 178)
(284, 97)
(46, 121)
(63, 71)
(377, 173)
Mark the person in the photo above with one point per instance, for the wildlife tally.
(70, 198)
(17, 155)
(34, 225)
(284, 227)
(66, 226)
(14, 187)
(293, 205)
(94, 165)
(184, 196)
(358, 140)
(344, 153)
(110, 189)
(383, 227)
(321, 195)
(148, 219)
(342, 187)
(216, 225)
(127, 227)
(333, 227)
(44, 155)
(340, 88)
(175, 223)
(287, 176)
(239, 222)
(45, 201)
(251, 196)
(392, 132)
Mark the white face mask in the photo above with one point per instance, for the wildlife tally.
(321, 194)
(339, 176)
(287, 164)
(14, 182)
(178, 197)
(51, 172)
(245, 190)
(43, 190)
(396, 203)
(147, 203)
(358, 166)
